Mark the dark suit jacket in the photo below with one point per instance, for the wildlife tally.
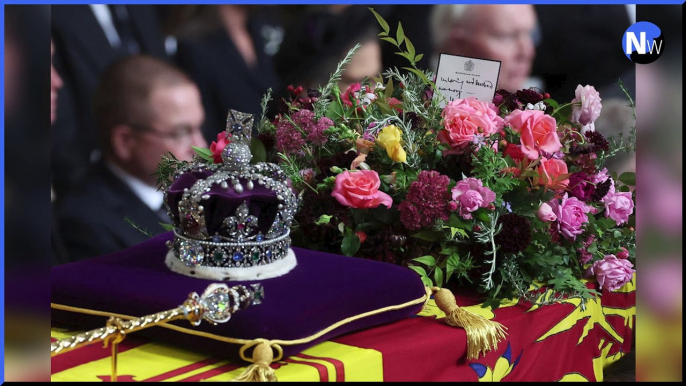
(225, 81)
(91, 216)
(82, 53)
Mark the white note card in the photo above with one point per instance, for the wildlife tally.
(461, 77)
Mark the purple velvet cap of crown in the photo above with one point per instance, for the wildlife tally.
(223, 202)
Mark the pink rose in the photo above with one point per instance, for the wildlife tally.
(587, 106)
(611, 272)
(545, 213)
(463, 118)
(623, 254)
(553, 174)
(619, 206)
(538, 131)
(571, 216)
(348, 95)
(217, 147)
(360, 189)
(470, 195)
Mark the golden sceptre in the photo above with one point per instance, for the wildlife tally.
(215, 305)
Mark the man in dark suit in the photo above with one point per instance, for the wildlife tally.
(88, 38)
(143, 108)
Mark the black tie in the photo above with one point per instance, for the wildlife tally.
(122, 22)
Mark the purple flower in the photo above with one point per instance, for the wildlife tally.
(612, 273)
(289, 140)
(471, 194)
(571, 216)
(588, 110)
(619, 206)
(427, 201)
(581, 186)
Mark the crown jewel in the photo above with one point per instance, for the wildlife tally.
(231, 219)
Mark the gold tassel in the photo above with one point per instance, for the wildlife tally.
(483, 335)
(259, 371)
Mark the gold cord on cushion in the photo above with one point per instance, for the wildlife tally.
(262, 355)
(483, 335)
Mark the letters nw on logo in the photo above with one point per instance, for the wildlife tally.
(643, 42)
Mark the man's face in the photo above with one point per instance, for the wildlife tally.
(504, 33)
(176, 118)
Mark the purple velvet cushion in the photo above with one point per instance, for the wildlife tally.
(321, 290)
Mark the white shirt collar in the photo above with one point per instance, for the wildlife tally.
(152, 197)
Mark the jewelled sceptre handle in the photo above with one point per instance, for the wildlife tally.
(216, 305)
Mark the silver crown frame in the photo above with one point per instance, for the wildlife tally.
(238, 246)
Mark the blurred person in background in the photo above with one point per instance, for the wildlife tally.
(580, 45)
(315, 45)
(227, 49)
(88, 38)
(503, 32)
(143, 109)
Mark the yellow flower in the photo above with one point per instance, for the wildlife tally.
(389, 138)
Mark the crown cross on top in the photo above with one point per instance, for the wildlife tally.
(236, 155)
(239, 125)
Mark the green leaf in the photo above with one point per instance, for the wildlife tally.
(334, 111)
(415, 71)
(426, 281)
(389, 89)
(452, 264)
(410, 48)
(457, 222)
(551, 102)
(381, 21)
(418, 269)
(204, 153)
(167, 227)
(461, 232)
(390, 39)
(351, 243)
(400, 34)
(593, 248)
(428, 235)
(323, 219)
(628, 178)
(259, 152)
(428, 260)
(438, 276)
(418, 57)
(605, 223)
